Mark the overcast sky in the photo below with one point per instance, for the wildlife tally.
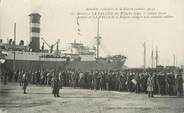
(119, 36)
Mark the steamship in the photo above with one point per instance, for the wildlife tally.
(33, 57)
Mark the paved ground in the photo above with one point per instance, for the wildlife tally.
(40, 100)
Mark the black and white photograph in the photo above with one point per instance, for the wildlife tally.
(91, 56)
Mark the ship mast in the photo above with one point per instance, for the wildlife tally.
(98, 39)
(157, 56)
(144, 45)
(152, 55)
(174, 60)
(14, 50)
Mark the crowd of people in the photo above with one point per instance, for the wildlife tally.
(145, 81)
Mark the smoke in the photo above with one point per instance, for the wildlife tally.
(36, 6)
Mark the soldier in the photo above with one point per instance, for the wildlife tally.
(166, 76)
(179, 85)
(5, 78)
(81, 79)
(101, 80)
(25, 81)
(120, 80)
(49, 78)
(89, 79)
(107, 80)
(150, 84)
(155, 88)
(16, 75)
(129, 82)
(113, 80)
(137, 85)
(116, 80)
(144, 81)
(76, 79)
(123, 81)
(171, 83)
(161, 83)
(41, 82)
(20, 78)
(72, 79)
(95, 80)
(56, 86)
(110, 80)
(38, 77)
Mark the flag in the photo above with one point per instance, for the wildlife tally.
(79, 34)
(78, 30)
(4, 53)
(78, 27)
(134, 81)
(2, 61)
(78, 21)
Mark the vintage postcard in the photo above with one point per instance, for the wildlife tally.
(91, 56)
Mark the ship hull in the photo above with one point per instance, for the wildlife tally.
(61, 65)
(35, 61)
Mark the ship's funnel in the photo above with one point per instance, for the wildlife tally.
(35, 32)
